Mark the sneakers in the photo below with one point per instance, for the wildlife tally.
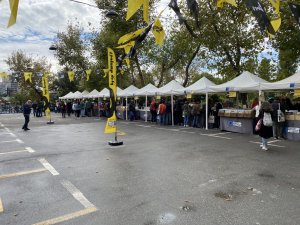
(264, 148)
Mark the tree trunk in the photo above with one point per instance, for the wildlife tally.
(140, 73)
(189, 64)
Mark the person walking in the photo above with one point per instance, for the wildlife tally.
(162, 109)
(266, 122)
(186, 111)
(26, 113)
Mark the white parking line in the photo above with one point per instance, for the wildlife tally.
(16, 140)
(256, 142)
(215, 136)
(77, 194)
(20, 141)
(12, 152)
(30, 150)
(48, 166)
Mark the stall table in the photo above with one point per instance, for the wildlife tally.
(236, 120)
(292, 126)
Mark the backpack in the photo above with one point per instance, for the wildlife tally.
(267, 120)
(162, 109)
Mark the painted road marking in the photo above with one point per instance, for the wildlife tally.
(30, 150)
(188, 132)
(20, 141)
(12, 134)
(1, 206)
(121, 133)
(256, 142)
(48, 166)
(77, 194)
(16, 140)
(18, 151)
(68, 216)
(4, 134)
(22, 173)
(209, 135)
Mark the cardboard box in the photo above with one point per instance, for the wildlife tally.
(290, 116)
(297, 116)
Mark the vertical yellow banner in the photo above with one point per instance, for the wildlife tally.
(112, 86)
(46, 95)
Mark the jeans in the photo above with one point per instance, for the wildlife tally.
(277, 130)
(264, 142)
(131, 115)
(25, 126)
(162, 118)
(186, 121)
(195, 121)
(168, 118)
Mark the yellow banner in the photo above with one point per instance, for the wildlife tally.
(14, 4)
(88, 74)
(189, 96)
(232, 94)
(71, 75)
(111, 126)
(27, 76)
(130, 36)
(105, 72)
(276, 5)
(296, 92)
(221, 2)
(134, 5)
(45, 85)
(158, 32)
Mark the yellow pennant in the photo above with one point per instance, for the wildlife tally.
(27, 76)
(158, 32)
(3, 75)
(127, 60)
(45, 85)
(111, 126)
(275, 24)
(220, 3)
(134, 5)
(88, 74)
(127, 37)
(71, 75)
(105, 72)
(127, 46)
(276, 5)
(13, 12)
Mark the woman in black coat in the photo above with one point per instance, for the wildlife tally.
(266, 131)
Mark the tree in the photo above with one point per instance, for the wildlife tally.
(19, 63)
(266, 70)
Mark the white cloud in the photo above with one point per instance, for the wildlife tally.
(37, 25)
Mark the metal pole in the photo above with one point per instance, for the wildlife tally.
(172, 110)
(126, 109)
(146, 109)
(206, 112)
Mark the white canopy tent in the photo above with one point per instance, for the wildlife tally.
(285, 84)
(93, 94)
(148, 90)
(170, 89)
(76, 95)
(67, 95)
(244, 82)
(202, 86)
(104, 93)
(127, 92)
(85, 94)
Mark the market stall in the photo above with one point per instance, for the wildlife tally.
(292, 126)
(148, 90)
(127, 92)
(237, 119)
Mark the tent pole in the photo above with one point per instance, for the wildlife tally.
(146, 109)
(172, 110)
(126, 109)
(206, 111)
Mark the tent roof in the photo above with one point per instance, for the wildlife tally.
(104, 93)
(170, 88)
(244, 82)
(287, 83)
(200, 86)
(93, 94)
(129, 91)
(67, 95)
(85, 93)
(149, 90)
(76, 95)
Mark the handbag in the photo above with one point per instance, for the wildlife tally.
(258, 125)
(211, 119)
(280, 115)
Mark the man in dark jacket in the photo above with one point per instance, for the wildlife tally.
(26, 113)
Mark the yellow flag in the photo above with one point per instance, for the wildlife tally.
(111, 126)
(46, 94)
(3, 75)
(105, 72)
(134, 5)
(275, 24)
(127, 46)
(221, 2)
(88, 74)
(13, 12)
(127, 37)
(127, 60)
(158, 32)
(71, 75)
(276, 5)
(27, 76)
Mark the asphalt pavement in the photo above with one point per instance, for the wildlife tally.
(66, 173)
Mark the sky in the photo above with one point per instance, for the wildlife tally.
(37, 24)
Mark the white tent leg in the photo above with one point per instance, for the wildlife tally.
(172, 110)
(206, 112)
(146, 109)
(126, 109)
